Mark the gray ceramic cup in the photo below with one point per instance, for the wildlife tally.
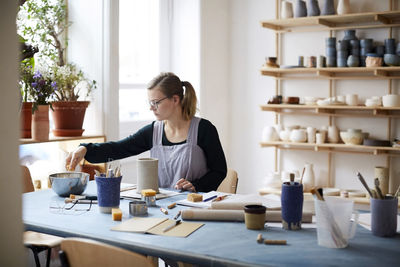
(384, 216)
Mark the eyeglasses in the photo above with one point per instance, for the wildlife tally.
(154, 103)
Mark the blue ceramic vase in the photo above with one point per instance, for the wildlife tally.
(292, 205)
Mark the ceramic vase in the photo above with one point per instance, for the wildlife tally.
(333, 134)
(350, 35)
(328, 8)
(308, 177)
(353, 61)
(68, 117)
(26, 119)
(343, 7)
(300, 9)
(382, 173)
(40, 123)
(313, 8)
(286, 10)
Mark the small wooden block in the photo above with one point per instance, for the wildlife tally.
(195, 197)
(116, 214)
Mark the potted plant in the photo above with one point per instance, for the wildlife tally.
(44, 23)
(41, 91)
(68, 112)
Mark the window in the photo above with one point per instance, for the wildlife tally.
(139, 62)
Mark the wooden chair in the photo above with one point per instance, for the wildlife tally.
(79, 252)
(229, 184)
(37, 242)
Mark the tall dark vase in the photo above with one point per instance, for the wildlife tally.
(328, 8)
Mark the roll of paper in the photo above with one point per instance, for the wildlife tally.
(234, 215)
(222, 205)
(147, 174)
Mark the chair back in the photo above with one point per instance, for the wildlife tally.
(27, 185)
(82, 252)
(229, 184)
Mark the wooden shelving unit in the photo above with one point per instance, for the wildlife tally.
(333, 110)
(373, 73)
(335, 22)
(25, 141)
(343, 148)
(332, 23)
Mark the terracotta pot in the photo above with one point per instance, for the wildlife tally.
(68, 117)
(26, 120)
(40, 123)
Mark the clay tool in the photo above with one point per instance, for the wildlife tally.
(172, 205)
(397, 191)
(274, 242)
(378, 189)
(210, 198)
(171, 226)
(177, 215)
(220, 198)
(291, 178)
(164, 211)
(260, 239)
(361, 178)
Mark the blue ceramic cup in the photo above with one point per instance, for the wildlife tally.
(384, 216)
(292, 205)
(108, 193)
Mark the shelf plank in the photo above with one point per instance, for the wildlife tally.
(273, 107)
(375, 150)
(334, 73)
(24, 141)
(335, 22)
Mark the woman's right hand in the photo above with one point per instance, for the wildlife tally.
(74, 158)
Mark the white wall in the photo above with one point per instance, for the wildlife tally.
(11, 248)
(250, 44)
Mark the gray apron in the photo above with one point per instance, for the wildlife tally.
(178, 161)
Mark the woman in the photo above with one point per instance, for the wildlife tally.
(188, 148)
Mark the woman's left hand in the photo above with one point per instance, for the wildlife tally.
(184, 184)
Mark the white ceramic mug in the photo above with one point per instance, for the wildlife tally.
(320, 138)
(311, 131)
(352, 99)
(391, 100)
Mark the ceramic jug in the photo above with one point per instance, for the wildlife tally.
(286, 10)
(300, 9)
(308, 177)
(313, 8)
(328, 8)
(343, 7)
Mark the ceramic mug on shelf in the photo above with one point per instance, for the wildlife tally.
(286, 10)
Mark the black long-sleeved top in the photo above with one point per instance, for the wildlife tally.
(142, 141)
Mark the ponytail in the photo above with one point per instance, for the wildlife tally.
(189, 101)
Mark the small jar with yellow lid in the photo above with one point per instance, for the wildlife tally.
(149, 196)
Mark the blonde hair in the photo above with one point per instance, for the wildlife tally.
(171, 85)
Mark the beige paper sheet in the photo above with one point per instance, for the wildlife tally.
(181, 230)
(156, 226)
(138, 224)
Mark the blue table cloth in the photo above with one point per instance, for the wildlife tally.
(214, 244)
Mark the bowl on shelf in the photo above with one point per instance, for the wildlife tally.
(391, 100)
(66, 183)
(391, 59)
(374, 142)
(351, 138)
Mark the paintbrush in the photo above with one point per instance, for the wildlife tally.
(361, 178)
(302, 174)
(378, 190)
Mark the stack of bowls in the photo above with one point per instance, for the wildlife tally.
(391, 58)
(330, 44)
(342, 53)
(366, 47)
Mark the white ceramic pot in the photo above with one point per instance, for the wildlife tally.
(352, 99)
(286, 10)
(308, 177)
(352, 138)
(391, 100)
(333, 134)
(343, 7)
(298, 136)
(311, 131)
(269, 134)
(284, 135)
(273, 179)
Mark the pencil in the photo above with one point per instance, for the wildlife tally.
(164, 211)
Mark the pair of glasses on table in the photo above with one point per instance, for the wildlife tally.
(70, 208)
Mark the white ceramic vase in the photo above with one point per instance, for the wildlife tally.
(308, 177)
(333, 134)
(286, 10)
(343, 7)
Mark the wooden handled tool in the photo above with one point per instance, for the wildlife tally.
(274, 242)
(364, 184)
(378, 189)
